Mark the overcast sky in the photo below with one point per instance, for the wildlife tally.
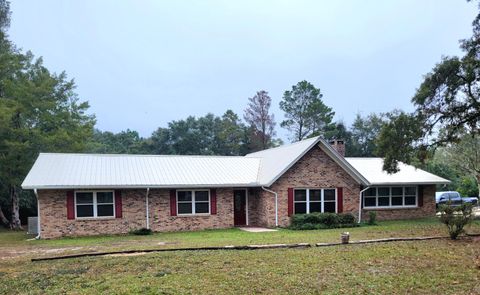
(141, 64)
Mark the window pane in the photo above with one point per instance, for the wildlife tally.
(370, 202)
(201, 196)
(397, 201)
(329, 207)
(84, 210)
(410, 201)
(184, 196)
(383, 201)
(315, 195)
(84, 198)
(300, 208)
(383, 191)
(104, 197)
(300, 195)
(105, 210)
(329, 195)
(371, 192)
(201, 207)
(410, 191)
(315, 207)
(184, 208)
(397, 191)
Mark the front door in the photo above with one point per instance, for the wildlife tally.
(240, 207)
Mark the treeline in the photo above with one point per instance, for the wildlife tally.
(226, 135)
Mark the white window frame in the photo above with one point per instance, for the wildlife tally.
(193, 201)
(390, 198)
(95, 204)
(322, 200)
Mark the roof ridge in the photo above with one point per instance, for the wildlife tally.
(148, 155)
(285, 145)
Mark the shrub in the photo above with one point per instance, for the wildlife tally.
(372, 218)
(141, 231)
(346, 218)
(456, 218)
(322, 221)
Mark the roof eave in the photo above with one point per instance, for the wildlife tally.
(410, 183)
(141, 186)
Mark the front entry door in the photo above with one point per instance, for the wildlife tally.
(240, 207)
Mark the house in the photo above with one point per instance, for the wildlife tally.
(88, 194)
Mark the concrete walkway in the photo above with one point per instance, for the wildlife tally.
(257, 229)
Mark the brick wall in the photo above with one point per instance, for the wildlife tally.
(54, 222)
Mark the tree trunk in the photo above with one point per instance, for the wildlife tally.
(3, 219)
(15, 222)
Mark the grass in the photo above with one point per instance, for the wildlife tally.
(426, 267)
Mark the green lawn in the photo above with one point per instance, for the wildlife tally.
(426, 267)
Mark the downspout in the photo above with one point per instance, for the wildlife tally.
(147, 214)
(360, 204)
(38, 214)
(276, 204)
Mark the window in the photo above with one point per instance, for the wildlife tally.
(387, 197)
(193, 202)
(94, 204)
(315, 200)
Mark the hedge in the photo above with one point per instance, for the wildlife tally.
(322, 221)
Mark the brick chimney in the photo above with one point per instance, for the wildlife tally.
(339, 146)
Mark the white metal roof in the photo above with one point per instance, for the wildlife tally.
(108, 171)
(371, 169)
(256, 169)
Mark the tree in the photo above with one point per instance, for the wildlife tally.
(230, 135)
(39, 111)
(257, 114)
(464, 156)
(207, 135)
(448, 99)
(124, 142)
(306, 114)
(364, 132)
(395, 140)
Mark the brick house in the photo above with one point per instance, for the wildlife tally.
(89, 194)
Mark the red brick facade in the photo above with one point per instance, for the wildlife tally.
(315, 170)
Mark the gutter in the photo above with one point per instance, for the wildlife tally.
(38, 214)
(360, 204)
(147, 213)
(276, 204)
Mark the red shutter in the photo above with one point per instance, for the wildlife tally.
(70, 205)
(290, 201)
(173, 202)
(420, 196)
(339, 199)
(118, 204)
(213, 201)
